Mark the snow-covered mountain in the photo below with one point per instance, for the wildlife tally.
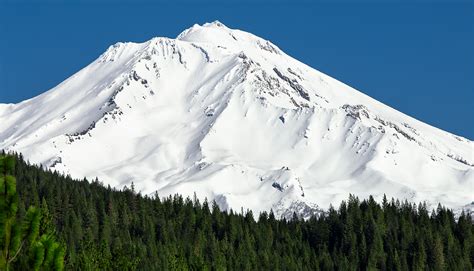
(229, 116)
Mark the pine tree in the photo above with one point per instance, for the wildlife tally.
(436, 256)
(17, 236)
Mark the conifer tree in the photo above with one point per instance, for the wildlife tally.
(18, 236)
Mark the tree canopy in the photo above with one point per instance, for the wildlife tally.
(109, 229)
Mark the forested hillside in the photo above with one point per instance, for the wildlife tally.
(106, 229)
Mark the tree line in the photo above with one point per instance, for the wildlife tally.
(103, 228)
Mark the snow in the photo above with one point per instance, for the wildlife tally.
(229, 116)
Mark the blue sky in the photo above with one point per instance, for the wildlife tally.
(416, 56)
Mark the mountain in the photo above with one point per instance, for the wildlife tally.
(223, 114)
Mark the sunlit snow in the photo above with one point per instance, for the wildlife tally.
(229, 116)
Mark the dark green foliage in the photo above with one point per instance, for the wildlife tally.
(106, 229)
(21, 245)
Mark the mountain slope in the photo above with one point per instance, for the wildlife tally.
(229, 116)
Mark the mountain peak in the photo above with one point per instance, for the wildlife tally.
(208, 32)
(215, 23)
(231, 40)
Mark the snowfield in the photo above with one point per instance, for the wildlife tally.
(229, 116)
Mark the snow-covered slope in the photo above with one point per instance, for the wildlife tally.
(229, 116)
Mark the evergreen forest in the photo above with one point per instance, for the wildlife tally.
(85, 225)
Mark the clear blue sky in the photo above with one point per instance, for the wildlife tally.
(416, 56)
